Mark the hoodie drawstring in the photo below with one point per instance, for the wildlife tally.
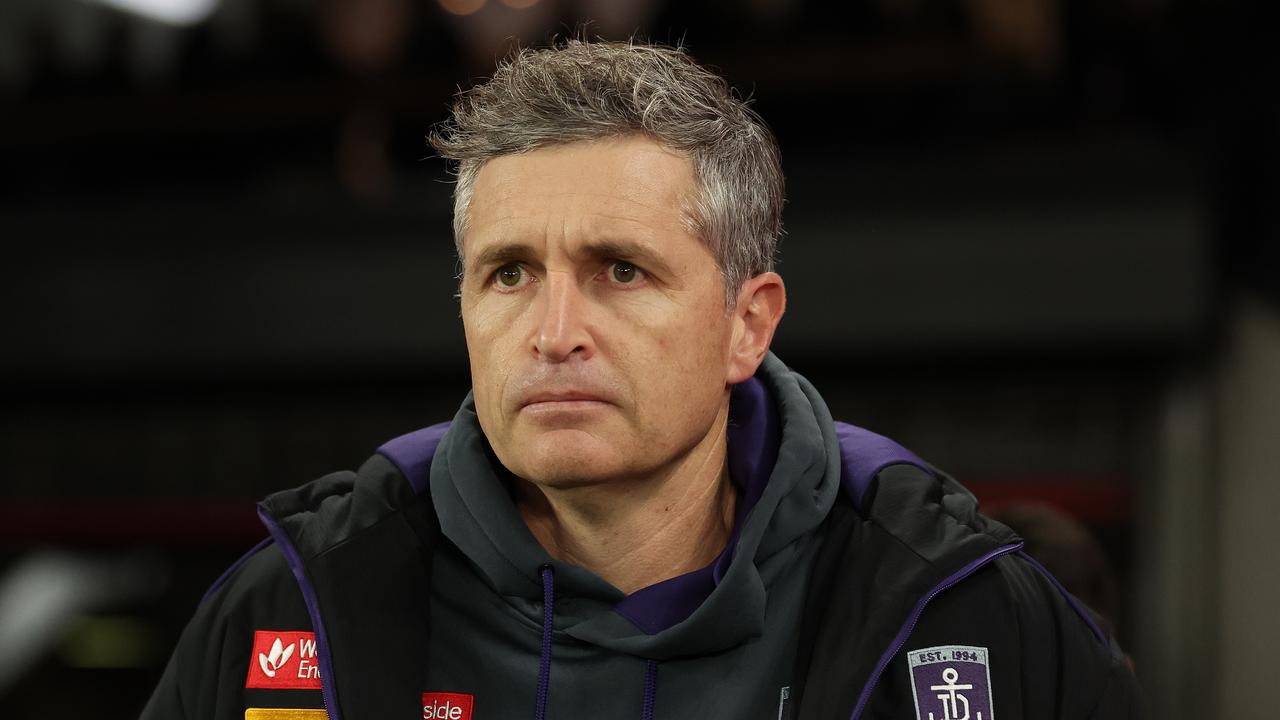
(650, 689)
(548, 612)
(544, 667)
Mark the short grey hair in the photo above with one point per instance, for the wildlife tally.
(579, 90)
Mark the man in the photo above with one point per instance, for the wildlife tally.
(638, 511)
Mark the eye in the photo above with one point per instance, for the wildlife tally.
(511, 276)
(625, 273)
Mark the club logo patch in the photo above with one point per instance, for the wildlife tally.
(447, 706)
(283, 661)
(951, 682)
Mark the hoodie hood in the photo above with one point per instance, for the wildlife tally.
(426, 549)
(783, 458)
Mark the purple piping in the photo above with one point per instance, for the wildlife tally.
(226, 575)
(313, 609)
(1071, 599)
(650, 689)
(548, 614)
(901, 638)
(412, 454)
(863, 454)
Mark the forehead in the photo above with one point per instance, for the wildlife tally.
(621, 185)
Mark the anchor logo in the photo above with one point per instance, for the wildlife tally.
(952, 700)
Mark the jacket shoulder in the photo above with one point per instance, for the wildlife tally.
(333, 507)
(260, 585)
(208, 670)
(910, 565)
(1045, 655)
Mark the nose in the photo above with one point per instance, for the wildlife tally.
(562, 331)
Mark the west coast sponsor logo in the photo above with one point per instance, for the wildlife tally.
(283, 660)
(447, 706)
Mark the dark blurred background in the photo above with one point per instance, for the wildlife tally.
(1034, 240)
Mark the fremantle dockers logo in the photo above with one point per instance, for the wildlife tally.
(951, 682)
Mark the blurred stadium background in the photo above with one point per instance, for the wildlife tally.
(1034, 240)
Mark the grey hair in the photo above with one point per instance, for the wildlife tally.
(580, 90)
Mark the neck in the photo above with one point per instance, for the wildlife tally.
(638, 532)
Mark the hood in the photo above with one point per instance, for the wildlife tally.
(357, 544)
(783, 458)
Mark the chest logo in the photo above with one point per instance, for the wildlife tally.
(447, 706)
(951, 682)
(283, 660)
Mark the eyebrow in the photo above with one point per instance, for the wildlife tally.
(629, 250)
(599, 250)
(501, 255)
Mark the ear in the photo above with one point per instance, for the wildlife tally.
(761, 302)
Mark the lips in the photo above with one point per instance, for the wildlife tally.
(559, 388)
(561, 396)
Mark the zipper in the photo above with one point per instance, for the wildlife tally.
(327, 692)
(905, 632)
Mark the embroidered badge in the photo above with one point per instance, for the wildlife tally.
(283, 660)
(951, 682)
(447, 706)
(284, 714)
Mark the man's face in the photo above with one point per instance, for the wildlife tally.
(595, 321)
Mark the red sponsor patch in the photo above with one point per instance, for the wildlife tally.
(447, 706)
(284, 660)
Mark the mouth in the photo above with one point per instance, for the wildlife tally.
(563, 402)
(555, 398)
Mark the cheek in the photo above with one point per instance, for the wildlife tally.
(489, 354)
(705, 337)
(687, 366)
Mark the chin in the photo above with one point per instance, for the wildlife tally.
(566, 458)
